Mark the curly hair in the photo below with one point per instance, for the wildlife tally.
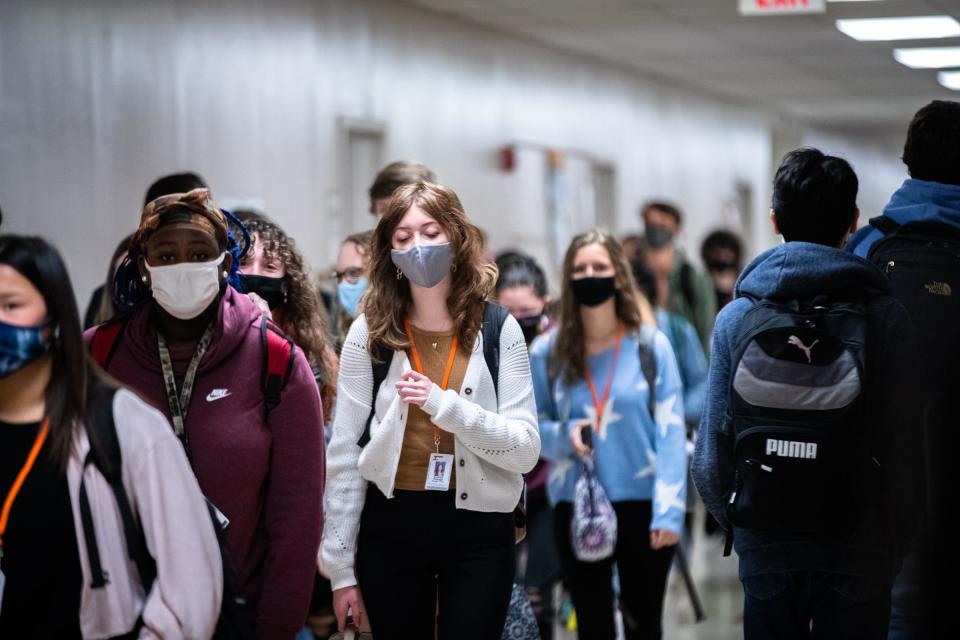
(301, 315)
(388, 300)
(632, 308)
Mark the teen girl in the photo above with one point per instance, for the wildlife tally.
(423, 511)
(594, 400)
(191, 345)
(64, 565)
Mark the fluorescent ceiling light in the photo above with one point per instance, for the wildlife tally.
(949, 79)
(912, 28)
(928, 57)
(854, 0)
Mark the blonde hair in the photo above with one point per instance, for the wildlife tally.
(387, 301)
(632, 308)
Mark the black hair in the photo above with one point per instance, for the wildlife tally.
(76, 383)
(814, 197)
(517, 269)
(174, 183)
(932, 149)
(722, 239)
(666, 208)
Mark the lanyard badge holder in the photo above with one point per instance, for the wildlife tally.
(15, 490)
(600, 402)
(440, 465)
(179, 401)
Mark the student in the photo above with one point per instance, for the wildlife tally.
(100, 308)
(808, 444)
(274, 275)
(351, 277)
(916, 243)
(681, 288)
(722, 255)
(522, 289)
(53, 402)
(590, 379)
(191, 346)
(393, 176)
(405, 540)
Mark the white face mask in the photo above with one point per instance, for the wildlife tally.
(184, 290)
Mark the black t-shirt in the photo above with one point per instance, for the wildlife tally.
(40, 559)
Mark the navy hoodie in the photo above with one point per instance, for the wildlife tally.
(914, 201)
(801, 270)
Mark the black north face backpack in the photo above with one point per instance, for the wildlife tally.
(795, 416)
(922, 263)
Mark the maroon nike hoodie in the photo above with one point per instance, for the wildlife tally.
(266, 476)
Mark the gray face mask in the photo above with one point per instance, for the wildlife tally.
(424, 264)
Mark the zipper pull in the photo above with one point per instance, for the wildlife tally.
(889, 266)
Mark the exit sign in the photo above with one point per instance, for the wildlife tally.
(781, 7)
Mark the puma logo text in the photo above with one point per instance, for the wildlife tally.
(792, 449)
(798, 343)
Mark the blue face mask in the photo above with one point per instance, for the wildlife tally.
(349, 294)
(19, 346)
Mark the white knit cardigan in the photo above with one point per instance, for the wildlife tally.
(495, 439)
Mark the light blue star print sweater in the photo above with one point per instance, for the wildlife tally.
(637, 457)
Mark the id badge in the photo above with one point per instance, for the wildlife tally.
(439, 471)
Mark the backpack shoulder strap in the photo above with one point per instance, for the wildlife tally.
(278, 356)
(493, 318)
(883, 224)
(105, 340)
(109, 462)
(648, 364)
(380, 359)
(686, 284)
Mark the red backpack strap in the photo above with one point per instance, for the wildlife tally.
(278, 351)
(104, 342)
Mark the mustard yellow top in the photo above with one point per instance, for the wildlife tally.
(418, 444)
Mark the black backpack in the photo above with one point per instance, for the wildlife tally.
(234, 622)
(922, 263)
(796, 417)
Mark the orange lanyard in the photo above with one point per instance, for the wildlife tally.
(418, 365)
(18, 482)
(600, 403)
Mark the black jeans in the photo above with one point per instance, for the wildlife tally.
(782, 606)
(418, 548)
(643, 576)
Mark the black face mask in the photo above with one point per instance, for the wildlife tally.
(530, 325)
(592, 292)
(658, 236)
(270, 289)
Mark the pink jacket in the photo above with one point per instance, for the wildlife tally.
(185, 599)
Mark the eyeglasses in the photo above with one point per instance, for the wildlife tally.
(350, 275)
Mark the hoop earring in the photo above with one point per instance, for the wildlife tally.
(399, 274)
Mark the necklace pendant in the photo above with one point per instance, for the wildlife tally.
(434, 345)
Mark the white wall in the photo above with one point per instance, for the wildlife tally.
(99, 98)
(876, 161)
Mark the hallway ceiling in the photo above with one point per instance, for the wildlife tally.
(800, 66)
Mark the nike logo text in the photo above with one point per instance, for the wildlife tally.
(217, 394)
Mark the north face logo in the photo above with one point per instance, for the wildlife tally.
(792, 449)
(939, 289)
